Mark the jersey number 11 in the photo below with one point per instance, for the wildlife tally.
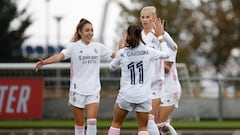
(133, 67)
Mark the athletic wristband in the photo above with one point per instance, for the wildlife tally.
(160, 37)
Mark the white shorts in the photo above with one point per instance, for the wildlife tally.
(157, 89)
(170, 99)
(80, 101)
(145, 106)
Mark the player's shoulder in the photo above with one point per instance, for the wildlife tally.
(122, 50)
(148, 47)
(74, 43)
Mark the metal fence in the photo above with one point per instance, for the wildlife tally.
(56, 79)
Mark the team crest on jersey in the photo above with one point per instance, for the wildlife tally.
(95, 50)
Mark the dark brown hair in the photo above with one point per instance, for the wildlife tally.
(134, 36)
(79, 27)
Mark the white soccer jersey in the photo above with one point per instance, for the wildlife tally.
(85, 66)
(157, 65)
(135, 82)
(172, 83)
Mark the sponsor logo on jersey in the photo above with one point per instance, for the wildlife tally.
(88, 59)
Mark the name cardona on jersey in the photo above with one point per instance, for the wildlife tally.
(137, 53)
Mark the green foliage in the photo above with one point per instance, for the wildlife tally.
(13, 25)
(207, 30)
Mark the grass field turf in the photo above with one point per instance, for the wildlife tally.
(68, 124)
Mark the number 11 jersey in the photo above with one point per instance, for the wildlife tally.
(135, 64)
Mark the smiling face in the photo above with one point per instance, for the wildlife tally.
(147, 17)
(86, 33)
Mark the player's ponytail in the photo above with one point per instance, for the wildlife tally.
(134, 36)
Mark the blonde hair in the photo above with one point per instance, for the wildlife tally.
(151, 9)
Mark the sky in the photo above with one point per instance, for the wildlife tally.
(71, 11)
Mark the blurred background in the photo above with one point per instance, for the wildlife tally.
(206, 31)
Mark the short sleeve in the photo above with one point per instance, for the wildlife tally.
(67, 51)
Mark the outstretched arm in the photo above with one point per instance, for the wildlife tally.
(53, 59)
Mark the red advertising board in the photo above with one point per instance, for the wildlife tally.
(21, 98)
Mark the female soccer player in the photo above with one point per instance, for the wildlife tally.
(151, 34)
(171, 95)
(135, 83)
(85, 86)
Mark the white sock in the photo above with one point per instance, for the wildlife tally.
(168, 126)
(171, 129)
(152, 126)
(143, 133)
(160, 126)
(79, 130)
(91, 127)
(114, 131)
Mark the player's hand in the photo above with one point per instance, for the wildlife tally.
(121, 42)
(38, 65)
(158, 27)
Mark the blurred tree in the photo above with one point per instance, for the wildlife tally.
(215, 27)
(205, 30)
(12, 28)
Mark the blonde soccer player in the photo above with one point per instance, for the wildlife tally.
(152, 33)
(171, 95)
